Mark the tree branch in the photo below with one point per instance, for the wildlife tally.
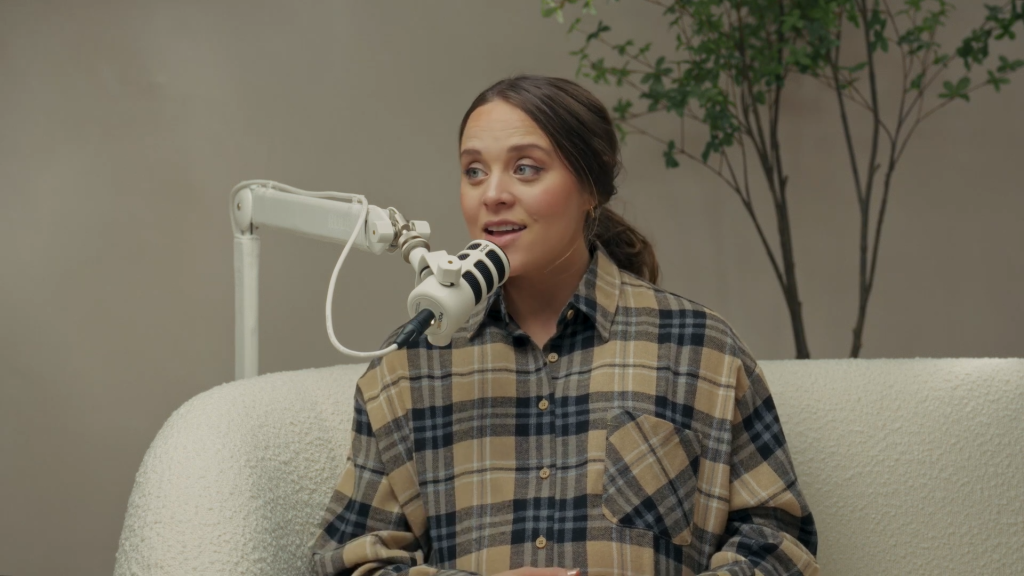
(638, 130)
(734, 186)
(947, 101)
(863, 105)
(746, 171)
(873, 80)
(637, 59)
(750, 102)
(851, 150)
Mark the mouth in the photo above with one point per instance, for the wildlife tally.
(503, 234)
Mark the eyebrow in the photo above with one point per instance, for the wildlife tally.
(517, 148)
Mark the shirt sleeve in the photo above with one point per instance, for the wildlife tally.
(770, 530)
(365, 531)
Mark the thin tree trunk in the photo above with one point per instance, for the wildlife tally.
(864, 196)
(868, 283)
(790, 289)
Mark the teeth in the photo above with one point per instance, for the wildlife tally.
(505, 228)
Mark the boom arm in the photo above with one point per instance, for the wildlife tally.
(330, 216)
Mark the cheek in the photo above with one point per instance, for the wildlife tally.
(556, 206)
(469, 213)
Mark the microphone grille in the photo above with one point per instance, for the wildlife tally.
(499, 266)
(485, 273)
(470, 279)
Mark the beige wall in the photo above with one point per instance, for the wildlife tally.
(124, 125)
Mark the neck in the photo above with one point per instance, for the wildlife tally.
(536, 300)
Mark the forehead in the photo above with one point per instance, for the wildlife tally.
(498, 125)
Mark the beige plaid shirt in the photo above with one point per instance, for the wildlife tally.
(641, 440)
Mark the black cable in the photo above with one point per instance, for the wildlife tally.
(415, 328)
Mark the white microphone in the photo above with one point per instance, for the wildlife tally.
(450, 287)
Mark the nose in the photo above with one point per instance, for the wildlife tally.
(497, 194)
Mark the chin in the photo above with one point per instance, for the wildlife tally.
(515, 263)
(519, 261)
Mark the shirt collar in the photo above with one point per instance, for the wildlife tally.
(597, 296)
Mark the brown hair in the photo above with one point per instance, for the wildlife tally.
(582, 132)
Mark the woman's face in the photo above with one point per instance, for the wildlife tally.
(517, 193)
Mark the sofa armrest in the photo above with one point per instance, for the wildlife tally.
(238, 477)
(910, 466)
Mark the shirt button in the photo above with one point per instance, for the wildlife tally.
(552, 357)
(541, 542)
(544, 473)
(543, 404)
(570, 314)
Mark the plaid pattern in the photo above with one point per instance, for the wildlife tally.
(641, 440)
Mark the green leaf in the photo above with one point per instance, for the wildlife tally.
(706, 153)
(792, 21)
(600, 71)
(854, 18)
(915, 84)
(1006, 65)
(876, 25)
(622, 107)
(550, 8)
(669, 155)
(601, 29)
(997, 81)
(621, 75)
(994, 12)
(958, 90)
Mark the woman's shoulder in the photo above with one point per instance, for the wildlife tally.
(385, 372)
(637, 293)
(679, 314)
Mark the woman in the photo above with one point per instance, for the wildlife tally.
(584, 419)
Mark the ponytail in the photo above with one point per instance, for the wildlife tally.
(627, 247)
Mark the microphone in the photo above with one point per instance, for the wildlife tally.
(443, 300)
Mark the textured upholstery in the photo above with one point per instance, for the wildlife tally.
(911, 467)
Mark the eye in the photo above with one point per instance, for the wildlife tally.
(526, 170)
(473, 173)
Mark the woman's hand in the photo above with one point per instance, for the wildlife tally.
(529, 571)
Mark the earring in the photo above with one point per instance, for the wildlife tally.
(592, 215)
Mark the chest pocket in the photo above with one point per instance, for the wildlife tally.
(650, 478)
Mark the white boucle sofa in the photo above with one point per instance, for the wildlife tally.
(911, 467)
